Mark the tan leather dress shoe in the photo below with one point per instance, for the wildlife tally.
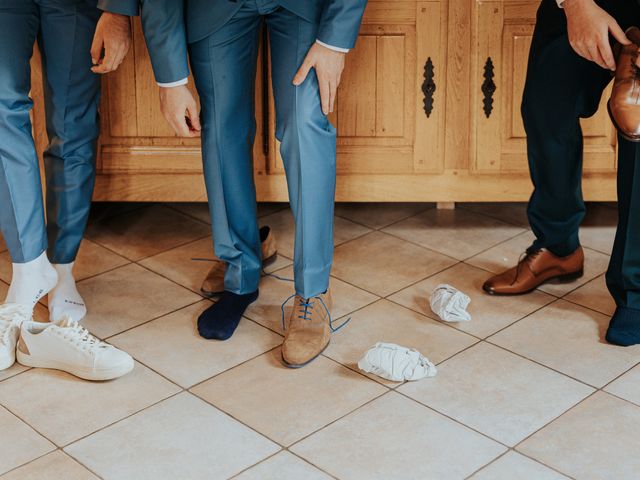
(309, 330)
(535, 269)
(213, 285)
(624, 104)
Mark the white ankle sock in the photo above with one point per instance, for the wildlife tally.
(31, 281)
(64, 299)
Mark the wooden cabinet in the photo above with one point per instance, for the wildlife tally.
(428, 110)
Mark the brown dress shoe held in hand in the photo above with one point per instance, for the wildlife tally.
(213, 285)
(309, 330)
(624, 104)
(536, 268)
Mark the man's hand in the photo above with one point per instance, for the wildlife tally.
(589, 27)
(329, 65)
(181, 110)
(113, 36)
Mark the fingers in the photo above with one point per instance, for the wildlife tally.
(113, 56)
(618, 33)
(333, 91)
(96, 47)
(302, 74)
(607, 55)
(325, 94)
(194, 118)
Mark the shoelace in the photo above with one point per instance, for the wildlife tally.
(75, 332)
(525, 258)
(305, 310)
(12, 316)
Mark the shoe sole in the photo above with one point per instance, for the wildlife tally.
(85, 374)
(300, 365)
(265, 263)
(7, 364)
(615, 124)
(568, 278)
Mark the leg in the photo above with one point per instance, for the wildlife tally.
(224, 67)
(71, 93)
(623, 275)
(560, 88)
(308, 148)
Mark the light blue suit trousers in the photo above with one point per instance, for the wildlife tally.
(64, 30)
(224, 68)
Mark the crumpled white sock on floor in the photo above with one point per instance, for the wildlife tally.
(31, 281)
(64, 299)
(450, 304)
(396, 363)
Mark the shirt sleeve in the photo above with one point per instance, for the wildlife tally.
(339, 49)
(178, 83)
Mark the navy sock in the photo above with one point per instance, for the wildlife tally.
(624, 329)
(221, 319)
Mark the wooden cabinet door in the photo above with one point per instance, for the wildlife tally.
(390, 108)
(502, 33)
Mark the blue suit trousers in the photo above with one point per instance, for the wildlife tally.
(64, 30)
(224, 68)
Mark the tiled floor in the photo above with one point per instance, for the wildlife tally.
(528, 390)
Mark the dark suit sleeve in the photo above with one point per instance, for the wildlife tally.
(340, 22)
(163, 23)
(123, 7)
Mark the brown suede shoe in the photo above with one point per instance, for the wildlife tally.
(624, 104)
(535, 269)
(309, 330)
(213, 285)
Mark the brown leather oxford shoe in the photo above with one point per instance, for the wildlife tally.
(535, 269)
(624, 104)
(213, 285)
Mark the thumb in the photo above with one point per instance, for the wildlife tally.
(618, 33)
(301, 76)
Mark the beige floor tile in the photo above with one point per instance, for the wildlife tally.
(184, 265)
(457, 233)
(383, 264)
(129, 296)
(384, 321)
(627, 386)
(199, 211)
(570, 339)
(379, 215)
(267, 310)
(283, 466)
(147, 231)
(180, 438)
(171, 346)
(489, 313)
(20, 443)
(515, 213)
(513, 466)
(287, 404)
(506, 255)
(598, 229)
(64, 408)
(497, 393)
(598, 439)
(284, 229)
(53, 466)
(11, 371)
(594, 295)
(93, 260)
(394, 437)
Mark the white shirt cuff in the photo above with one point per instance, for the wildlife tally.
(560, 2)
(337, 49)
(184, 81)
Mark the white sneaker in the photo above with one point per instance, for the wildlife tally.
(12, 316)
(68, 346)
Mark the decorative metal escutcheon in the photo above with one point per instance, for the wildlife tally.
(428, 87)
(488, 87)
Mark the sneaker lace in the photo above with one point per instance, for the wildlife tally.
(12, 316)
(76, 333)
(306, 309)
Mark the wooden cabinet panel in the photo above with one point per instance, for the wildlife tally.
(503, 31)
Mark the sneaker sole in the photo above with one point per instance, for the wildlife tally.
(85, 374)
(8, 363)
